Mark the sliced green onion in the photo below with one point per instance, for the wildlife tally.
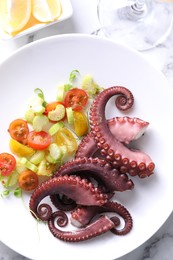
(39, 122)
(5, 193)
(55, 128)
(50, 159)
(55, 151)
(67, 87)
(29, 116)
(40, 93)
(18, 192)
(64, 149)
(12, 179)
(37, 157)
(60, 94)
(20, 167)
(28, 164)
(36, 105)
(70, 115)
(73, 75)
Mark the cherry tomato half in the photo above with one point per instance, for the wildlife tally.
(19, 130)
(80, 123)
(28, 180)
(76, 98)
(65, 138)
(20, 149)
(7, 164)
(39, 140)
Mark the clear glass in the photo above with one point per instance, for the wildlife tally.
(141, 24)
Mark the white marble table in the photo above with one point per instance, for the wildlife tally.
(84, 20)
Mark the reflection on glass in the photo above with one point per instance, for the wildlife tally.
(141, 24)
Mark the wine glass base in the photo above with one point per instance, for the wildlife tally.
(142, 30)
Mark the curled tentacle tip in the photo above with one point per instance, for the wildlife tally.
(115, 220)
(44, 211)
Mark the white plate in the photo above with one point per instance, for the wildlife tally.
(44, 64)
(67, 12)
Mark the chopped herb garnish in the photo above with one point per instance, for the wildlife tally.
(40, 94)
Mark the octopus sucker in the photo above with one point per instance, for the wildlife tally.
(119, 149)
(83, 215)
(63, 203)
(73, 187)
(100, 226)
(124, 129)
(98, 169)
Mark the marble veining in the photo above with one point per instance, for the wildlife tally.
(159, 246)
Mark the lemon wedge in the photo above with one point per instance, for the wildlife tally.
(46, 10)
(14, 14)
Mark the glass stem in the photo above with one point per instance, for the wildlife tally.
(138, 9)
(139, 5)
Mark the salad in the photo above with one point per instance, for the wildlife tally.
(47, 136)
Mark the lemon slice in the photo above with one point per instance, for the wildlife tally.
(46, 10)
(14, 14)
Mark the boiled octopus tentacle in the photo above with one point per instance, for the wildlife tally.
(61, 218)
(124, 129)
(44, 211)
(82, 215)
(100, 226)
(75, 188)
(61, 202)
(87, 147)
(98, 169)
(132, 161)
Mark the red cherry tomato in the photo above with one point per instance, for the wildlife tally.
(19, 130)
(76, 98)
(28, 180)
(7, 164)
(39, 140)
